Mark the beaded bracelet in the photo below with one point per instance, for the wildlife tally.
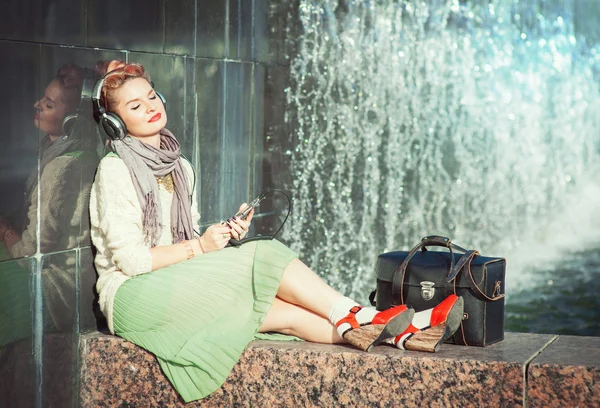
(189, 249)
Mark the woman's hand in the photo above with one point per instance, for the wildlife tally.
(215, 237)
(239, 227)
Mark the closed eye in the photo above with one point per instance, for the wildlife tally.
(135, 107)
(153, 96)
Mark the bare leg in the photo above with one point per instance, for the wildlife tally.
(301, 286)
(295, 320)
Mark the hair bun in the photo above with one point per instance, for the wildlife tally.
(115, 64)
(103, 67)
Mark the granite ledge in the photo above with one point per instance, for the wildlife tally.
(566, 374)
(279, 374)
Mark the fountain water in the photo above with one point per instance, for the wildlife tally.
(476, 120)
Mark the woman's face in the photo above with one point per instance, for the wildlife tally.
(51, 110)
(140, 108)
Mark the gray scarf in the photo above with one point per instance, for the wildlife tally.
(145, 163)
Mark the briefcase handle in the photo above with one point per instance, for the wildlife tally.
(432, 240)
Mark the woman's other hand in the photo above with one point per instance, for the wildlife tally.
(239, 227)
(215, 237)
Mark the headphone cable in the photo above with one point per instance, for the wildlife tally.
(235, 242)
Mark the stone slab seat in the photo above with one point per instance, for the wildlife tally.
(566, 374)
(116, 373)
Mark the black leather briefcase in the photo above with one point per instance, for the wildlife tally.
(422, 279)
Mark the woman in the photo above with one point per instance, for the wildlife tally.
(188, 298)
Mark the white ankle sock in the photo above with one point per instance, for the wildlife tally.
(400, 342)
(422, 319)
(341, 309)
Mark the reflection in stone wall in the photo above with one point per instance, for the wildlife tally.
(44, 217)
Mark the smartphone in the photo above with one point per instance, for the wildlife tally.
(253, 204)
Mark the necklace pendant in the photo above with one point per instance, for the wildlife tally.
(166, 182)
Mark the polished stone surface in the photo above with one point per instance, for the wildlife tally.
(20, 140)
(210, 28)
(90, 317)
(566, 374)
(258, 30)
(17, 360)
(59, 370)
(224, 92)
(17, 375)
(57, 21)
(304, 374)
(180, 27)
(126, 25)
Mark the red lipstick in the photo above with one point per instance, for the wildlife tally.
(155, 118)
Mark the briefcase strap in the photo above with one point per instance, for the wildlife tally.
(450, 284)
(437, 240)
(496, 295)
(466, 258)
(432, 240)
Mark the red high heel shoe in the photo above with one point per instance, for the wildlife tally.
(431, 327)
(365, 327)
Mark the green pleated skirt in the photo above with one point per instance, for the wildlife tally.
(198, 316)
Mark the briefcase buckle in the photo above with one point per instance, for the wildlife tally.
(427, 290)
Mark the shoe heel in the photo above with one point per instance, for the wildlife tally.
(431, 339)
(365, 337)
(455, 317)
(369, 336)
(428, 340)
(394, 327)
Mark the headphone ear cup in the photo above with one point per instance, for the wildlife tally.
(113, 125)
(161, 97)
(68, 122)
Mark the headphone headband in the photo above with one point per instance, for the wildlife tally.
(85, 100)
(97, 90)
(112, 124)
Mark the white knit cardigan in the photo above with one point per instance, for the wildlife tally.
(116, 220)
